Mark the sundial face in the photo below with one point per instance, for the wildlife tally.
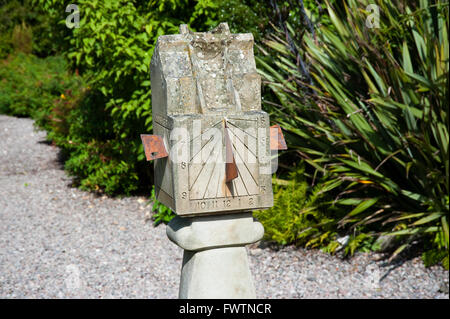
(214, 141)
(226, 165)
(220, 163)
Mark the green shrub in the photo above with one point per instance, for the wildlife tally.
(161, 213)
(5, 45)
(297, 212)
(113, 48)
(16, 13)
(242, 16)
(30, 85)
(374, 116)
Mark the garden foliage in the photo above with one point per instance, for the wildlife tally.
(364, 109)
(371, 116)
(31, 86)
(112, 49)
(21, 23)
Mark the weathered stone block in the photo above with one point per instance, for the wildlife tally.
(206, 102)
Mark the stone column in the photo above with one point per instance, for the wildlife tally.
(215, 263)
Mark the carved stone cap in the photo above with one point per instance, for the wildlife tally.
(222, 28)
(210, 72)
(199, 233)
(178, 42)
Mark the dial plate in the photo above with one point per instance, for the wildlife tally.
(207, 164)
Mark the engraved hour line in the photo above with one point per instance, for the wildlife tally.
(207, 142)
(245, 165)
(218, 186)
(234, 187)
(163, 125)
(212, 173)
(243, 143)
(245, 186)
(246, 133)
(234, 184)
(202, 133)
(203, 164)
(242, 180)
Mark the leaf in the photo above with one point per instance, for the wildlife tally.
(413, 231)
(362, 166)
(363, 206)
(349, 201)
(336, 21)
(397, 252)
(445, 230)
(427, 219)
(407, 65)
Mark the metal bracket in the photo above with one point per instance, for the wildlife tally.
(154, 147)
(277, 141)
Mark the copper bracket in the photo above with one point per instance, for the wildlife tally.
(277, 142)
(154, 147)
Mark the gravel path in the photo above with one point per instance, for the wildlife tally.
(59, 242)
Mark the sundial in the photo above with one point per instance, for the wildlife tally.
(212, 143)
(212, 147)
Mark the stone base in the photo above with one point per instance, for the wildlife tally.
(219, 273)
(215, 263)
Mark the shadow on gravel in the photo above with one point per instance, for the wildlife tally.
(384, 258)
(57, 163)
(46, 142)
(75, 181)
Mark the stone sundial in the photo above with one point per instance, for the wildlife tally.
(212, 147)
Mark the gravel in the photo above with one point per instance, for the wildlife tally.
(57, 241)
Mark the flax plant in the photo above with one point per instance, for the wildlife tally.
(364, 102)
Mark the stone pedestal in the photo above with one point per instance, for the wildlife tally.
(215, 263)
